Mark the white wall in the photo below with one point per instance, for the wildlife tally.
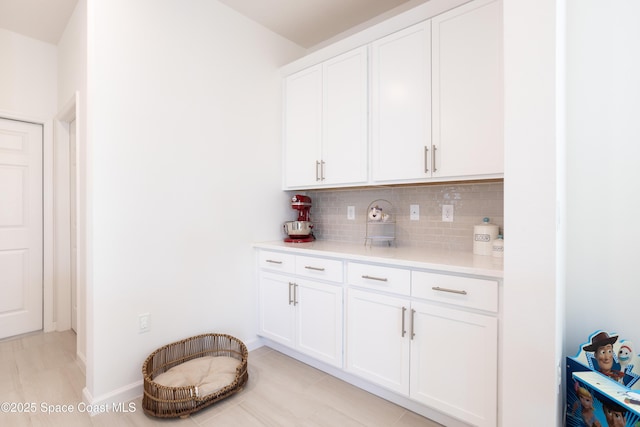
(603, 286)
(27, 77)
(72, 57)
(184, 158)
(532, 322)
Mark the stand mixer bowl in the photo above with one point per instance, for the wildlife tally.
(298, 228)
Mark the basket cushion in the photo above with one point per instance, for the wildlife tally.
(208, 374)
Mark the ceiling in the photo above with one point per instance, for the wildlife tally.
(310, 22)
(305, 22)
(44, 20)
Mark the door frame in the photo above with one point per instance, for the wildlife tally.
(56, 291)
(61, 304)
(60, 315)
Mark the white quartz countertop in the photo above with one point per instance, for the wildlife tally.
(449, 261)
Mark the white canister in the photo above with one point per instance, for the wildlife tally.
(483, 237)
(497, 247)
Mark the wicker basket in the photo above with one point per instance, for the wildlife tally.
(172, 402)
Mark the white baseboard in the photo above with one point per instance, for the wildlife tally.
(81, 361)
(255, 343)
(114, 401)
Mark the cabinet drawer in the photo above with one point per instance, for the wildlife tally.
(389, 279)
(319, 268)
(277, 261)
(481, 294)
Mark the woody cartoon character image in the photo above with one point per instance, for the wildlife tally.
(602, 348)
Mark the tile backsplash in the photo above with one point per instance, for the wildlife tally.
(471, 202)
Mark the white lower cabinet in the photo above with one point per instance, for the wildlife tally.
(277, 313)
(319, 321)
(454, 362)
(444, 356)
(454, 352)
(302, 314)
(377, 341)
(427, 336)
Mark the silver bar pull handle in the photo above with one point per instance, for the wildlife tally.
(295, 294)
(404, 310)
(451, 291)
(322, 170)
(433, 159)
(291, 285)
(309, 267)
(272, 261)
(413, 315)
(317, 170)
(426, 159)
(379, 279)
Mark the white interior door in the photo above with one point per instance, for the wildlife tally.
(21, 229)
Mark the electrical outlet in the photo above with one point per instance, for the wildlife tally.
(351, 212)
(414, 212)
(143, 323)
(447, 213)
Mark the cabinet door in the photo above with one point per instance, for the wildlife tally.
(467, 90)
(302, 127)
(454, 362)
(276, 308)
(401, 109)
(345, 119)
(377, 341)
(319, 321)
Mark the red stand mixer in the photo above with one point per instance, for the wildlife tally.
(300, 230)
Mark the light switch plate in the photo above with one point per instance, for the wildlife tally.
(143, 323)
(351, 212)
(414, 212)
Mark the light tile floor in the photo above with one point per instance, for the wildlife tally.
(39, 373)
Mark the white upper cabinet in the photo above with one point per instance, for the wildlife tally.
(434, 90)
(467, 90)
(345, 136)
(401, 105)
(302, 127)
(326, 123)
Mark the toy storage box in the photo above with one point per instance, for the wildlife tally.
(602, 384)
